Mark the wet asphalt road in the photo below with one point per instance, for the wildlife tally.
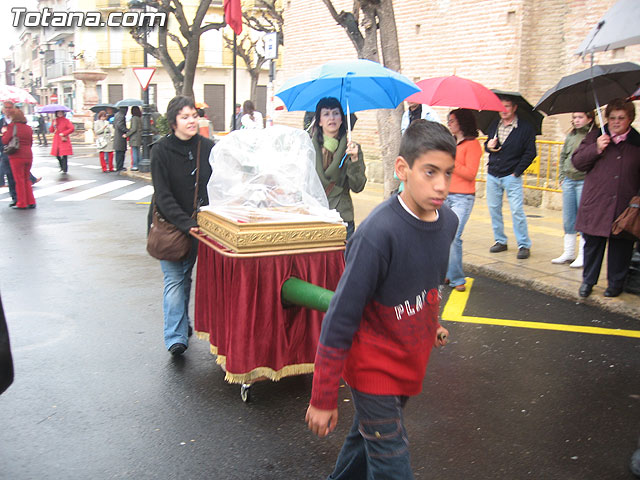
(96, 396)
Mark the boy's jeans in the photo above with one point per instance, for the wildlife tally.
(461, 204)
(496, 186)
(571, 193)
(376, 446)
(175, 302)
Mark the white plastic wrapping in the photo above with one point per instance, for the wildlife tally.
(267, 175)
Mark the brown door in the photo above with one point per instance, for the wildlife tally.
(214, 97)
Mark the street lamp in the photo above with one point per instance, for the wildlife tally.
(145, 161)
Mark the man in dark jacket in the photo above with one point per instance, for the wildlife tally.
(120, 142)
(511, 143)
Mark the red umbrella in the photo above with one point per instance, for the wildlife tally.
(456, 92)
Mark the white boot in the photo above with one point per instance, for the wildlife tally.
(579, 261)
(569, 249)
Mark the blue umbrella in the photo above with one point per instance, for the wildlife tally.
(53, 108)
(357, 84)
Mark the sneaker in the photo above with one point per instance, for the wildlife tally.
(177, 349)
(134, 169)
(523, 253)
(460, 288)
(498, 247)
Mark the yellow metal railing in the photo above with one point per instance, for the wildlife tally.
(544, 171)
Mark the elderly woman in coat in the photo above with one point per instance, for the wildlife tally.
(61, 148)
(104, 141)
(612, 163)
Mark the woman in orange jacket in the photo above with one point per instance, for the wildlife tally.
(462, 191)
(61, 127)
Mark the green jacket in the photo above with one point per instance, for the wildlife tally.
(571, 143)
(351, 177)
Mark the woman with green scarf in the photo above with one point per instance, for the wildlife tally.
(339, 163)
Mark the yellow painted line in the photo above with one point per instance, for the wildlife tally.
(454, 309)
(143, 203)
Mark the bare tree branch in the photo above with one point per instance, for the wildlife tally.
(176, 39)
(349, 22)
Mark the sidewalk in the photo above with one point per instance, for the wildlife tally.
(536, 272)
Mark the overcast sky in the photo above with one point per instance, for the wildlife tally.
(9, 33)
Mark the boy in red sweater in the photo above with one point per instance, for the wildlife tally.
(383, 319)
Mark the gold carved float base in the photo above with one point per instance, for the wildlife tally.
(270, 236)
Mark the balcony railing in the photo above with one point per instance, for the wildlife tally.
(59, 69)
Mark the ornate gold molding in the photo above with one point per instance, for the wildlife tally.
(264, 237)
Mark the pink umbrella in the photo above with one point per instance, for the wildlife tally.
(11, 93)
(456, 92)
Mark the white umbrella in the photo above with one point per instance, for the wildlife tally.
(618, 28)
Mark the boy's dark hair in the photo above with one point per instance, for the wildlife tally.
(329, 103)
(175, 105)
(423, 136)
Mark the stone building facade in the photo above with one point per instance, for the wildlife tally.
(516, 45)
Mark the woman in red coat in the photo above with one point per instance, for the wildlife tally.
(21, 160)
(61, 128)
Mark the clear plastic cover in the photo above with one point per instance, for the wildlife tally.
(267, 175)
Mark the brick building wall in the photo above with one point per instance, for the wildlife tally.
(519, 45)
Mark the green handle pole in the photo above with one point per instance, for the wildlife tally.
(304, 294)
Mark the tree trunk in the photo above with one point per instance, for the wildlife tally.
(191, 61)
(381, 18)
(389, 120)
(255, 76)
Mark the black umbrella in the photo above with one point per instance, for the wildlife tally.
(578, 93)
(101, 106)
(525, 111)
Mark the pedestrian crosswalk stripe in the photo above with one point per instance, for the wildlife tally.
(95, 191)
(137, 194)
(42, 192)
(92, 167)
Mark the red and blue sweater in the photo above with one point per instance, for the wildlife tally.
(382, 321)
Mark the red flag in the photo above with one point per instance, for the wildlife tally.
(233, 15)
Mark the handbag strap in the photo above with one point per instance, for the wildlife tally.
(195, 197)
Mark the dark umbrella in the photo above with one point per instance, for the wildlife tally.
(525, 111)
(101, 106)
(577, 93)
(129, 102)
